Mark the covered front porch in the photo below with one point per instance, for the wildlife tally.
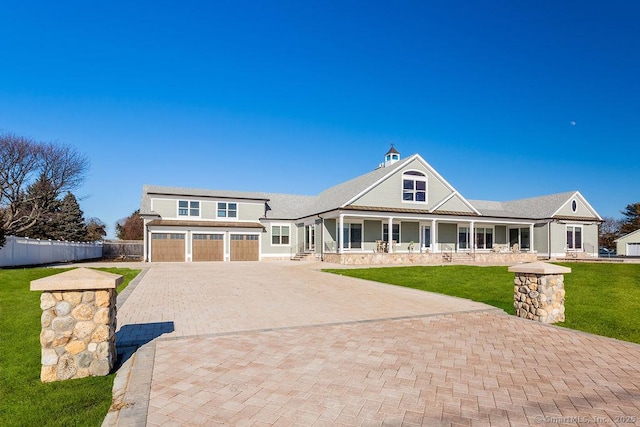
(365, 238)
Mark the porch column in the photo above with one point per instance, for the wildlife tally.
(531, 246)
(145, 242)
(472, 236)
(434, 230)
(390, 236)
(341, 234)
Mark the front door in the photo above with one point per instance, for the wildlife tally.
(310, 237)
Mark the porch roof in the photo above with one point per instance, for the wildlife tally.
(406, 210)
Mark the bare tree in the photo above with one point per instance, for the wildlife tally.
(96, 230)
(609, 231)
(23, 162)
(131, 227)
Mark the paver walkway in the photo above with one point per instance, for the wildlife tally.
(280, 344)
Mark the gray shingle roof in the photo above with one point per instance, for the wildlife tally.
(294, 206)
(533, 207)
(338, 195)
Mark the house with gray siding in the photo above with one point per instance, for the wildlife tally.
(403, 211)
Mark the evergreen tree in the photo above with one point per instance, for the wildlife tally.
(41, 197)
(631, 220)
(71, 225)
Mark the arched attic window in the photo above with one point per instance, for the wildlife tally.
(414, 187)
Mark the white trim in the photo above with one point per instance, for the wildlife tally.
(227, 218)
(579, 196)
(188, 216)
(383, 178)
(271, 235)
(574, 249)
(415, 178)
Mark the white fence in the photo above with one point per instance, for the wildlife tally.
(24, 251)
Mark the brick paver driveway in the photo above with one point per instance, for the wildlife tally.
(276, 343)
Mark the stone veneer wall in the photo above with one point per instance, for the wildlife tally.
(539, 295)
(78, 324)
(424, 258)
(78, 334)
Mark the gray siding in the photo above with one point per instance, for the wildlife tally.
(250, 211)
(558, 238)
(329, 236)
(318, 234)
(167, 208)
(582, 210)
(372, 232)
(590, 238)
(455, 204)
(299, 244)
(208, 210)
(269, 249)
(621, 244)
(541, 238)
(447, 235)
(389, 192)
(409, 232)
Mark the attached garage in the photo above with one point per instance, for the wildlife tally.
(245, 247)
(208, 247)
(167, 247)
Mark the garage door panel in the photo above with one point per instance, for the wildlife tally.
(633, 249)
(208, 247)
(167, 247)
(244, 247)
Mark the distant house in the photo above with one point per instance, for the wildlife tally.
(629, 244)
(403, 211)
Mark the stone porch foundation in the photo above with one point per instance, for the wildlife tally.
(428, 258)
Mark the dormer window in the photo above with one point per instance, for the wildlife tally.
(188, 208)
(414, 187)
(227, 210)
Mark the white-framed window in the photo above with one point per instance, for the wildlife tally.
(395, 232)
(227, 210)
(280, 234)
(414, 187)
(574, 206)
(574, 237)
(484, 238)
(188, 208)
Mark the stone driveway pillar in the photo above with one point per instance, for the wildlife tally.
(538, 291)
(78, 323)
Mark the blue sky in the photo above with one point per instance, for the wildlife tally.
(505, 99)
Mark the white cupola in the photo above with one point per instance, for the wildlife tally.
(391, 157)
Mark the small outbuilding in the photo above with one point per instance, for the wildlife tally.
(629, 244)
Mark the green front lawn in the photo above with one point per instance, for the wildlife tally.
(24, 400)
(603, 299)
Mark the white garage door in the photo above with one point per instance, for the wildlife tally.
(633, 249)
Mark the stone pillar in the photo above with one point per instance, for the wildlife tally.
(538, 291)
(78, 323)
